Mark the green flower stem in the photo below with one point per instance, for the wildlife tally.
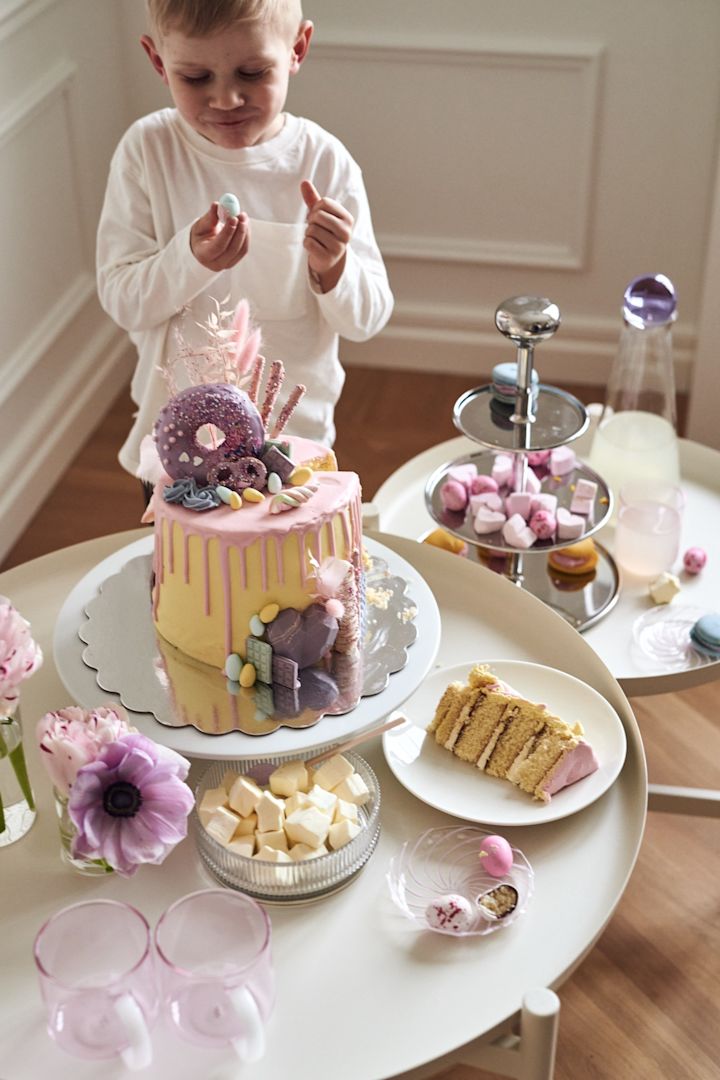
(17, 760)
(3, 753)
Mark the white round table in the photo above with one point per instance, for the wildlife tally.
(400, 503)
(358, 987)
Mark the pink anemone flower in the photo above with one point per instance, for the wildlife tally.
(130, 805)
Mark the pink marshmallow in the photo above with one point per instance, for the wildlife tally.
(544, 501)
(694, 560)
(453, 495)
(532, 484)
(543, 524)
(502, 470)
(517, 534)
(562, 460)
(582, 506)
(488, 521)
(538, 457)
(569, 526)
(585, 489)
(489, 499)
(464, 474)
(481, 484)
(519, 502)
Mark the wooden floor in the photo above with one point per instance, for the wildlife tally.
(645, 1005)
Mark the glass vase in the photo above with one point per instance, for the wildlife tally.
(91, 867)
(17, 803)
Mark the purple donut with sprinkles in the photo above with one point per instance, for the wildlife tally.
(225, 407)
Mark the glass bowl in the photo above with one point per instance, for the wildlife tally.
(296, 882)
(444, 862)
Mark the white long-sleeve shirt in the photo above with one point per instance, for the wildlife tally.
(163, 177)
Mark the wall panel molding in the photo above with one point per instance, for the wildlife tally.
(17, 13)
(41, 95)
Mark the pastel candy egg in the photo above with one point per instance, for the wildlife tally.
(248, 675)
(451, 913)
(253, 496)
(496, 856)
(301, 475)
(257, 626)
(694, 560)
(233, 667)
(543, 524)
(453, 495)
(230, 204)
(269, 612)
(274, 483)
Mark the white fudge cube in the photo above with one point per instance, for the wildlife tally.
(342, 833)
(324, 800)
(353, 789)
(270, 812)
(309, 826)
(222, 825)
(244, 796)
(211, 800)
(300, 852)
(271, 854)
(296, 802)
(345, 811)
(276, 839)
(242, 845)
(332, 771)
(247, 825)
(229, 778)
(288, 778)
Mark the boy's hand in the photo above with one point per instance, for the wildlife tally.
(328, 233)
(216, 246)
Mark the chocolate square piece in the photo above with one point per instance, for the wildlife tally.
(287, 702)
(264, 699)
(285, 672)
(260, 655)
(275, 461)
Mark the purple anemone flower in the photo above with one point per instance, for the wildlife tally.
(130, 805)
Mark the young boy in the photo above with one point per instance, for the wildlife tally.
(302, 250)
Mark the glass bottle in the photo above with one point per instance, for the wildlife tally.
(17, 803)
(636, 438)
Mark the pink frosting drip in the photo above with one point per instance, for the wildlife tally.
(573, 766)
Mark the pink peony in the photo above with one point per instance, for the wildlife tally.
(19, 655)
(130, 806)
(72, 737)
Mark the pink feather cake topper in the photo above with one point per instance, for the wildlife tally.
(230, 351)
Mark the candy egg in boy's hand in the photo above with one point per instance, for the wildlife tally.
(228, 206)
(496, 856)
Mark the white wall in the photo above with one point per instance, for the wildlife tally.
(559, 148)
(62, 361)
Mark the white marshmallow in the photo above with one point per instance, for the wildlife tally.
(299, 852)
(296, 802)
(518, 533)
(222, 825)
(489, 499)
(211, 800)
(274, 839)
(288, 778)
(229, 778)
(345, 811)
(488, 521)
(247, 825)
(502, 470)
(569, 526)
(242, 845)
(244, 795)
(324, 800)
(271, 854)
(332, 771)
(342, 833)
(270, 812)
(309, 826)
(353, 789)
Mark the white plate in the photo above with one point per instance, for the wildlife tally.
(80, 680)
(441, 780)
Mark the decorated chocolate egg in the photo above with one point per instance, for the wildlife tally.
(694, 560)
(452, 913)
(496, 856)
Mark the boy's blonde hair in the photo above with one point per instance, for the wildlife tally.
(199, 18)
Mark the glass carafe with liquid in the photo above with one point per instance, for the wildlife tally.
(636, 438)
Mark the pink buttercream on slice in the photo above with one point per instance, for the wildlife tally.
(574, 766)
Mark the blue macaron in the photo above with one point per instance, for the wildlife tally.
(705, 635)
(504, 381)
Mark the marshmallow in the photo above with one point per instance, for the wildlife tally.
(342, 833)
(538, 457)
(489, 499)
(482, 484)
(345, 811)
(229, 778)
(296, 802)
(324, 800)
(544, 501)
(270, 812)
(211, 801)
(664, 588)
(580, 505)
(532, 484)
(332, 771)
(517, 533)
(543, 524)
(300, 852)
(453, 495)
(585, 489)
(244, 796)
(289, 778)
(464, 474)
(353, 789)
(452, 913)
(569, 526)
(269, 854)
(502, 470)
(275, 839)
(562, 460)
(247, 826)
(488, 521)
(242, 845)
(519, 502)
(308, 826)
(222, 825)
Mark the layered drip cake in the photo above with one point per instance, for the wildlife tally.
(257, 564)
(487, 724)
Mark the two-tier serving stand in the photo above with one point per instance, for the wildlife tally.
(539, 418)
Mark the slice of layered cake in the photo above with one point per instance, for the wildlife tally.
(485, 722)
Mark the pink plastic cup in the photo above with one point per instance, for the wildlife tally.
(216, 973)
(97, 981)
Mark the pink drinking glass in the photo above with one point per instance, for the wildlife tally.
(215, 968)
(97, 980)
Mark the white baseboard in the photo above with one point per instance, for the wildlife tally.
(464, 341)
(62, 417)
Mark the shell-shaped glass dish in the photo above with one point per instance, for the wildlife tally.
(295, 882)
(446, 861)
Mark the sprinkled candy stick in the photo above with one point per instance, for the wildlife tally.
(272, 389)
(288, 409)
(257, 375)
(290, 500)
